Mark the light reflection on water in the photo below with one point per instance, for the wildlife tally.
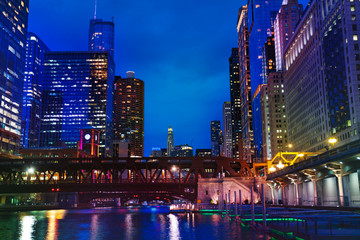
(120, 224)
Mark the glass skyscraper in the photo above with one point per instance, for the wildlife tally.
(101, 36)
(216, 136)
(31, 109)
(13, 30)
(235, 102)
(78, 94)
(261, 13)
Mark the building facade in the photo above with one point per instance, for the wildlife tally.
(228, 137)
(265, 123)
(32, 99)
(170, 141)
(284, 26)
(235, 102)
(261, 15)
(13, 31)
(182, 151)
(77, 94)
(247, 143)
(216, 136)
(277, 113)
(203, 152)
(129, 112)
(101, 36)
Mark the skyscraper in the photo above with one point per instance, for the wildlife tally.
(170, 141)
(235, 102)
(322, 64)
(228, 137)
(216, 136)
(260, 15)
(31, 106)
(284, 26)
(277, 113)
(129, 112)
(246, 146)
(13, 30)
(101, 36)
(77, 94)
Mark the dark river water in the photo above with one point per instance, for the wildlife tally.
(107, 223)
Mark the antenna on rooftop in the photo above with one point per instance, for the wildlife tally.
(95, 9)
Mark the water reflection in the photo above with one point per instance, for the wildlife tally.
(53, 218)
(174, 227)
(26, 227)
(120, 224)
(94, 227)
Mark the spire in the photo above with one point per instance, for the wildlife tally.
(95, 9)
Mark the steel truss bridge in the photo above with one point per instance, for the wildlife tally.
(173, 177)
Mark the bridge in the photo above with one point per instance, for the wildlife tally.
(328, 179)
(144, 178)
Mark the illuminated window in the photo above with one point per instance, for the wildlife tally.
(355, 37)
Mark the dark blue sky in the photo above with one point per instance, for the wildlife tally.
(179, 48)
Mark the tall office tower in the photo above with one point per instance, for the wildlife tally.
(77, 94)
(13, 30)
(260, 15)
(129, 112)
(31, 105)
(215, 138)
(247, 144)
(235, 102)
(265, 122)
(268, 66)
(268, 58)
(304, 85)
(228, 139)
(277, 113)
(340, 36)
(285, 23)
(101, 36)
(170, 141)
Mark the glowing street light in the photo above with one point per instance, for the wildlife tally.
(332, 141)
(173, 168)
(272, 169)
(300, 154)
(31, 170)
(280, 165)
(290, 145)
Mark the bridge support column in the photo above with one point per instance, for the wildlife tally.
(271, 185)
(341, 189)
(297, 193)
(283, 194)
(314, 181)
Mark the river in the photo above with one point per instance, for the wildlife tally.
(111, 223)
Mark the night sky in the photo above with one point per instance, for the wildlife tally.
(180, 49)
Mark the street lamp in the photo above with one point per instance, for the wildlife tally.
(290, 145)
(30, 170)
(332, 141)
(280, 165)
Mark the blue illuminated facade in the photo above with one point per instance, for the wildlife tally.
(78, 94)
(13, 30)
(31, 106)
(261, 13)
(101, 36)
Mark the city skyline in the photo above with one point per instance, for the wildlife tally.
(159, 52)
